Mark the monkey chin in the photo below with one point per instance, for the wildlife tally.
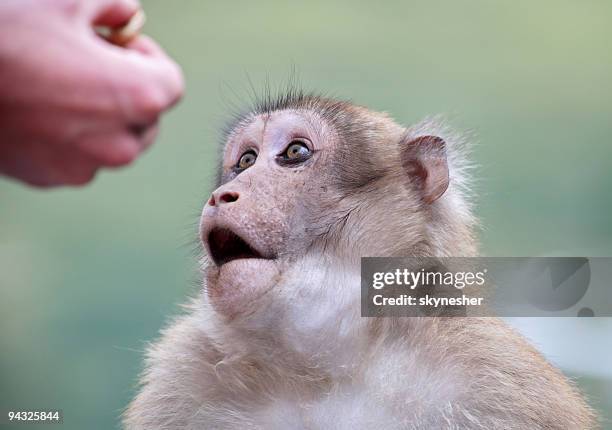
(236, 287)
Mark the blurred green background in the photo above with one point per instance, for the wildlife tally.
(88, 276)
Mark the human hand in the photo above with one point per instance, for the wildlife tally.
(70, 102)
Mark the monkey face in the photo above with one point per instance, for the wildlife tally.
(256, 222)
(335, 181)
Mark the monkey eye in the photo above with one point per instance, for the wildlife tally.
(246, 160)
(295, 153)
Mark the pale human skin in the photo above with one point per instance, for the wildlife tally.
(71, 103)
(275, 339)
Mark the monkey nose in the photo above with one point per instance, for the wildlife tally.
(219, 198)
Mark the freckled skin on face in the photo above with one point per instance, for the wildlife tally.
(269, 210)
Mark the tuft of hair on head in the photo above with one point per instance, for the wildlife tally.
(364, 133)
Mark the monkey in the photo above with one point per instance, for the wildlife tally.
(307, 186)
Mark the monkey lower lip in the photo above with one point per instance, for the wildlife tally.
(226, 246)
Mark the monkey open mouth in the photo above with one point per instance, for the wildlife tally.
(226, 246)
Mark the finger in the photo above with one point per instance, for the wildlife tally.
(148, 136)
(63, 168)
(111, 13)
(122, 35)
(147, 46)
(23, 161)
(146, 85)
(111, 150)
(40, 165)
(79, 173)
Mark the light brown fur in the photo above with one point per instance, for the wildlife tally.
(280, 344)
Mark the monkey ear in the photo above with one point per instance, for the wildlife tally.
(424, 160)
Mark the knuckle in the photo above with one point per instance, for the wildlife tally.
(152, 97)
(177, 85)
(148, 100)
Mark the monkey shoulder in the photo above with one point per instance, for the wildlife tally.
(178, 375)
(481, 373)
(458, 373)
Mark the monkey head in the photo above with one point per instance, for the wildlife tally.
(310, 178)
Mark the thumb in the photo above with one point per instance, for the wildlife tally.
(111, 13)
